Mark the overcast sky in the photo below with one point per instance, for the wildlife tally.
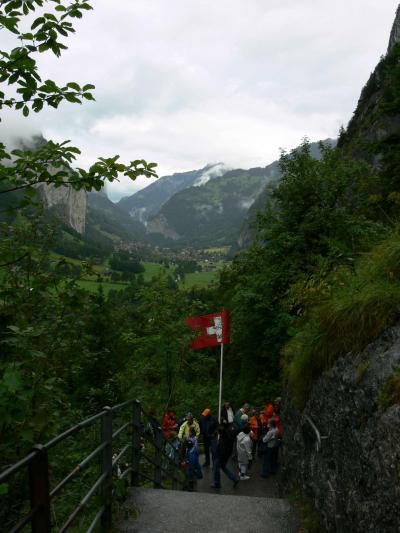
(188, 82)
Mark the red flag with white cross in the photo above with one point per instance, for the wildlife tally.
(213, 329)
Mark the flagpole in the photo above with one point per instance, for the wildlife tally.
(220, 382)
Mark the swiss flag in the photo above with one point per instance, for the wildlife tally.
(213, 329)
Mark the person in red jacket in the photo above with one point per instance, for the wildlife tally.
(169, 423)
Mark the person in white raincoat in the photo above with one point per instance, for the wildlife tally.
(244, 449)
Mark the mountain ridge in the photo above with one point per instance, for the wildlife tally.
(145, 203)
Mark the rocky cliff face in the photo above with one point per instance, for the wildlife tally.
(395, 33)
(373, 131)
(70, 204)
(344, 449)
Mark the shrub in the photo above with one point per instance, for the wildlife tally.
(354, 314)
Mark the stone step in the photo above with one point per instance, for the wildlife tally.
(169, 511)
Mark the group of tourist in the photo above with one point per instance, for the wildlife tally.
(241, 434)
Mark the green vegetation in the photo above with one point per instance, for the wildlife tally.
(307, 241)
(390, 393)
(309, 517)
(212, 215)
(199, 279)
(125, 262)
(105, 286)
(51, 330)
(357, 310)
(151, 270)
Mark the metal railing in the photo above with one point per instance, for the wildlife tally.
(147, 463)
(318, 436)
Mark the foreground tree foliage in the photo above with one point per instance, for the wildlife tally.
(24, 89)
(67, 353)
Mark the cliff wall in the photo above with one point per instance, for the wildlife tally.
(344, 449)
(70, 204)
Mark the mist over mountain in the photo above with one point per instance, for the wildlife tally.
(147, 202)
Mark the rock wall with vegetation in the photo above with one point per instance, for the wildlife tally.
(353, 472)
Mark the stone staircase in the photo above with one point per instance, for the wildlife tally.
(169, 511)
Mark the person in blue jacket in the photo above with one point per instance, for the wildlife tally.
(194, 471)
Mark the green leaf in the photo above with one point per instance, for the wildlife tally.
(12, 380)
(73, 85)
(38, 22)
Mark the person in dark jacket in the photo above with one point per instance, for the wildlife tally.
(222, 450)
(227, 413)
(238, 421)
(208, 428)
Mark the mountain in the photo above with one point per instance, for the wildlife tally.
(373, 132)
(210, 214)
(109, 220)
(68, 203)
(147, 202)
(195, 209)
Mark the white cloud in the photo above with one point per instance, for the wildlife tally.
(187, 83)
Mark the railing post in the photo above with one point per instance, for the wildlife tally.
(106, 468)
(40, 490)
(136, 442)
(158, 437)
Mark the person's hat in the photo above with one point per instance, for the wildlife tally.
(189, 414)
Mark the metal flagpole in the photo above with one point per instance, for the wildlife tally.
(220, 382)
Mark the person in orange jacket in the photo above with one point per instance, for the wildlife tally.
(255, 427)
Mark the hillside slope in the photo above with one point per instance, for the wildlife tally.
(148, 201)
(211, 214)
(108, 219)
